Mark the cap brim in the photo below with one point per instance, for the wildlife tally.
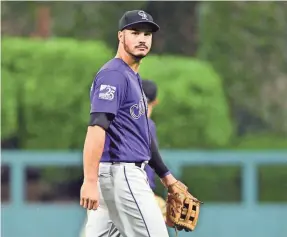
(154, 27)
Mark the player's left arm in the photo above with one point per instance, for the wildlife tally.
(159, 167)
(180, 203)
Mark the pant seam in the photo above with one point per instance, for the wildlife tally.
(135, 201)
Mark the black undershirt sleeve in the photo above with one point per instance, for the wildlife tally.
(156, 161)
(101, 119)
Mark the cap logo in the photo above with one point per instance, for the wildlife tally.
(143, 15)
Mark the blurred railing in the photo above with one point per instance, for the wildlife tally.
(247, 218)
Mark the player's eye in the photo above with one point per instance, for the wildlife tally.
(135, 33)
(147, 33)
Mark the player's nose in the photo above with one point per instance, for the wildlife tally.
(142, 37)
(142, 42)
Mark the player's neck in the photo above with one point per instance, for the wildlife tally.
(149, 110)
(129, 60)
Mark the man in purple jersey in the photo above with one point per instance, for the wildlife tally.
(118, 143)
(150, 91)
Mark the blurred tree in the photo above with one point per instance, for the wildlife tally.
(246, 43)
(80, 20)
(45, 80)
(17, 18)
(99, 21)
(178, 22)
(111, 12)
(76, 19)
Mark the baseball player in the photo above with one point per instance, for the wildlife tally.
(118, 142)
(150, 91)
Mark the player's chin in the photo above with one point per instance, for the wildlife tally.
(140, 55)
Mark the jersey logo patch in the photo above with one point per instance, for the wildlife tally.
(107, 92)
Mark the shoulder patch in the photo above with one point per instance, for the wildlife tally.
(107, 92)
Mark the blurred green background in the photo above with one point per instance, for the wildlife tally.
(220, 68)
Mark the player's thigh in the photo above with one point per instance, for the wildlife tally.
(139, 213)
(99, 224)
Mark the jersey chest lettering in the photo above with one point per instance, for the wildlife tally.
(136, 100)
(137, 110)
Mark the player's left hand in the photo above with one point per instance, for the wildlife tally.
(89, 195)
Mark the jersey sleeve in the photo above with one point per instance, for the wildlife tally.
(108, 92)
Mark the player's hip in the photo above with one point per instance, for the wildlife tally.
(111, 164)
(119, 175)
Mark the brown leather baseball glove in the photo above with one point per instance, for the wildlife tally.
(182, 208)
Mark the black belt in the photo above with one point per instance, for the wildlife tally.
(138, 164)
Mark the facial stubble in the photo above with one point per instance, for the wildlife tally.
(137, 58)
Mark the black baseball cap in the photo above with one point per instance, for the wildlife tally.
(150, 90)
(135, 17)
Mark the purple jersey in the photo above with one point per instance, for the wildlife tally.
(117, 90)
(149, 171)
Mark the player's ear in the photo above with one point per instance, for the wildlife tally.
(120, 36)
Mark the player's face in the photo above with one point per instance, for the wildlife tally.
(137, 41)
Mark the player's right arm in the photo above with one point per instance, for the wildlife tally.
(93, 149)
(107, 94)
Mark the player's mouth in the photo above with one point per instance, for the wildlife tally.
(141, 47)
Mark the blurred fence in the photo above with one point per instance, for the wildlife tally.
(247, 217)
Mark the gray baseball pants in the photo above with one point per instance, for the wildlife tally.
(127, 204)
